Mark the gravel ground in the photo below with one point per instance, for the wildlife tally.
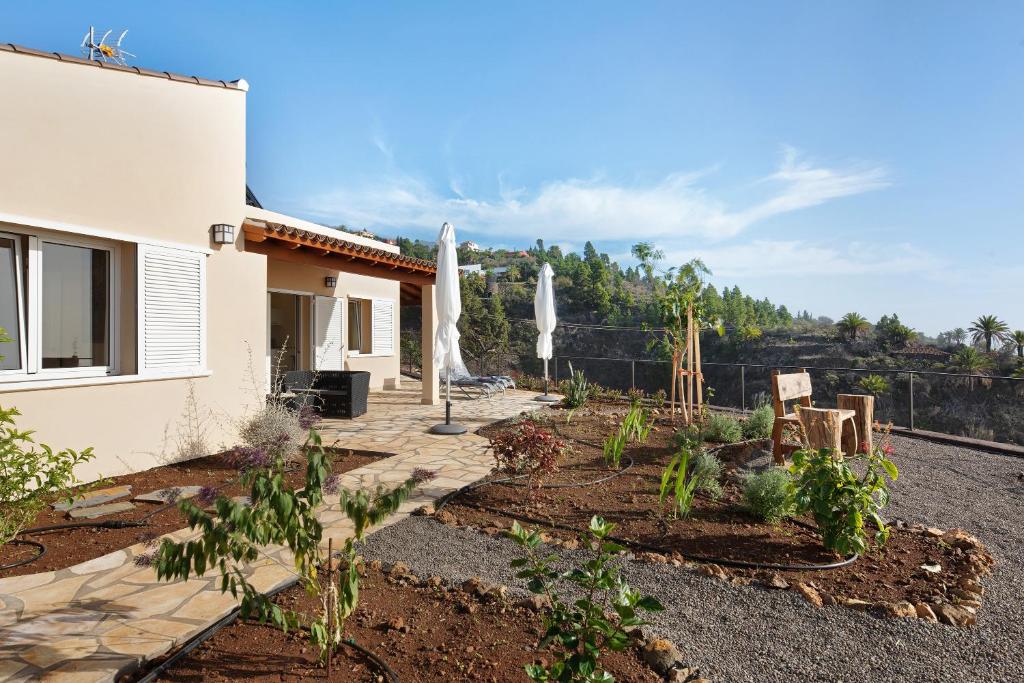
(750, 634)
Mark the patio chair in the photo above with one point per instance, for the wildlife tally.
(794, 386)
(469, 384)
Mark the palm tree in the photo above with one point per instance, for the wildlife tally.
(958, 336)
(970, 361)
(851, 324)
(1018, 340)
(988, 327)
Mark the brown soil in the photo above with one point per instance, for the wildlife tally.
(68, 547)
(451, 638)
(718, 529)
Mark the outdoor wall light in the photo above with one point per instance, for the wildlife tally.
(330, 281)
(223, 233)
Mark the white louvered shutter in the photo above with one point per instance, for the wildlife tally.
(383, 327)
(329, 346)
(172, 310)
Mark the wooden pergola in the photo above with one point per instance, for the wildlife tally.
(286, 243)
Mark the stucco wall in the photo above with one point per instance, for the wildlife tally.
(152, 160)
(384, 370)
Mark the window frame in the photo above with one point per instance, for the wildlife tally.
(19, 294)
(32, 370)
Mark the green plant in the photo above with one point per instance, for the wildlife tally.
(637, 424)
(841, 502)
(575, 390)
(676, 482)
(874, 384)
(988, 328)
(706, 472)
(721, 428)
(581, 630)
(969, 360)
(769, 494)
(852, 324)
(31, 477)
(277, 514)
(613, 447)
(759, 423)
(525, 449)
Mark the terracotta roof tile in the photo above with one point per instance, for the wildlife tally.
(60, 57)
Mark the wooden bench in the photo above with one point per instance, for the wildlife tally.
(796, 386)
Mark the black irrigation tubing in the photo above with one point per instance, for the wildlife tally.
(20, 563)
(701, 559)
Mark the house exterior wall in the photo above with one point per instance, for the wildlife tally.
(103, 152)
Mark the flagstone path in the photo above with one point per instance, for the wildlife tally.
(95, 620)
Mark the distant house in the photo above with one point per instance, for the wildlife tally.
(470, 246)
(474, 268)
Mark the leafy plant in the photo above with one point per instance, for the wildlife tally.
(769, 494)
(676, 482)
(841, 502)
(706, 472)
(989, 328)
(759, 423)
(720, 428)
(852, 324)
(613, 447)
(525, 449)
(31, 477)
(874, 384)
(637, 424)
(581, 631)
(278, 514)
(575, 390)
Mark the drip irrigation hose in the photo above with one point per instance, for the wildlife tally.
(700, 559)
(19, 563)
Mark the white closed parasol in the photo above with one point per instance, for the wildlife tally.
(544, 313)
(447, 357)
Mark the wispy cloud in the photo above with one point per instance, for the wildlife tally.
(597, 209)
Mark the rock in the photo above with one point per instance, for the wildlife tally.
(972, 586)
(827, 599)
(399, 570)
(435, 582)
(714, 571)
(375, 565)
(492, 530)
(810, 594)
(92, 498)
(445, 517)
(168, 495)
(654, 558)
(854, 603)
(571, 543)
(774, 580)
(100, 510)
(423, 511)
(535, 603)
(661, 655)
(398, 624)
(953, 615)
(901, 610)
(925, 612)
(934, 532)
(958, 538)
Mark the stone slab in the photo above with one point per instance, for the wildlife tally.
(96, 497)
(101, 510)
(168, 495)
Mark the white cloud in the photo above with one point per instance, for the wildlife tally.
(596, 209)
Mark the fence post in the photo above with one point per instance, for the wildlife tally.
(743, 387)
(632, 374)
(911, 392)
(556, 373)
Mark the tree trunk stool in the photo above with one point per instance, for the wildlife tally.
(862, 425)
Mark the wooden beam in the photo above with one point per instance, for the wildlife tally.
(336, 262)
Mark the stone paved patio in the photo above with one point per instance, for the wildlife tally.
(94, 620)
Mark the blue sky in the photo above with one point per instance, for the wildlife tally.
(858, 156)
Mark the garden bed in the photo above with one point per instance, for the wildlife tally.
(891, 575)
(67, 547)
(423, 630)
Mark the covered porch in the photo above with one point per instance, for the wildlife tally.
(335, 303)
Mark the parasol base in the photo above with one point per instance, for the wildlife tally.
(548, 398)
(448, 428)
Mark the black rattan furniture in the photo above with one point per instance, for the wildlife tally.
(339, 393)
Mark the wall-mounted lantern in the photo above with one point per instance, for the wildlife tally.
(223, 233)
(330, 282)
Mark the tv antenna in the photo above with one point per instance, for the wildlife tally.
(103, 51)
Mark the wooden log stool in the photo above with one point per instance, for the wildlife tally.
(858, 435)
(823, 427)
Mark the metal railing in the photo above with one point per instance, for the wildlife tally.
(980, 406)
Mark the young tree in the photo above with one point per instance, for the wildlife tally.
(484, 327)
(852, 324)
(988, 328)
(1018, 340)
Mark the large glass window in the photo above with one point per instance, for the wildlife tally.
(75, 307)
(11, 311)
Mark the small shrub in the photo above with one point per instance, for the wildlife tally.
(30, 477)
(637, 424)
(840, 501)
(575, 390)
(874, 384)
(658, 398)
(526, 449)
(277, 429)
(613, 447)
(676, 482)
(706, 472)
(687, 438)
(769, 495)
(581, 630)
(720, 428)
(759, 424)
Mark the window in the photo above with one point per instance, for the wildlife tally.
(357, 313)
(371, 326)
(56, 306)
